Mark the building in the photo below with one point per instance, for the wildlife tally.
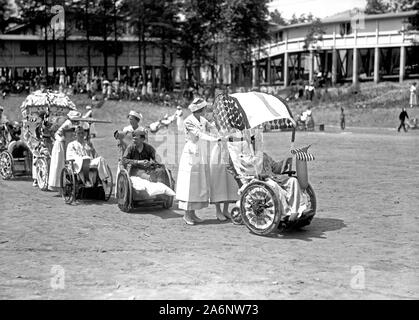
(376, 46)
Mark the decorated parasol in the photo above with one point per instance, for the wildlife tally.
(53, 103)
(242, 111)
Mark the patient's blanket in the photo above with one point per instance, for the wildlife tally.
(142, 183)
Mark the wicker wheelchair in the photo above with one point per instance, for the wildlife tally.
(15, 155)
(129, 197)
(259, 205)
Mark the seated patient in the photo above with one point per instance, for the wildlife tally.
(82, 151)
(141, 156)
(287, 188)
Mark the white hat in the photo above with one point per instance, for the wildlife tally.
(197, 104)
(73, 114)
(139, 116)
(179, 107)
(88, 107)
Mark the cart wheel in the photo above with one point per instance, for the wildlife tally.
(68, 185)
(108, 187)
(259, 208)
(6, 165)
(236, 216)
(124, 192)
(41, 167)
(168, 203)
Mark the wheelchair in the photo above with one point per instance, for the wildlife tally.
(129, 198)
(15, 158)
(259, 208)
(73, 187)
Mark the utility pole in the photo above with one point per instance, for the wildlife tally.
(116, 38)
(46, 22)
(86, 16)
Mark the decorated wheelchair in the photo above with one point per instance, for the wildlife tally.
(259, 206)
(43, 112)
(150, 186)
(15, 155)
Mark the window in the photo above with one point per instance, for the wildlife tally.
(345, 28)
(29, 48)
(279, 36)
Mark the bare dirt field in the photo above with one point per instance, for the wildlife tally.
(362, 243)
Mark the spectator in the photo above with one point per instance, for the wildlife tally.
(402, 117)
(413, 95)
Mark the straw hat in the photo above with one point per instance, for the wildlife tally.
(135, 114)
(73, 114)
(197, 104)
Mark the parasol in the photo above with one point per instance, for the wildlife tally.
(248, 110)
(54, 103)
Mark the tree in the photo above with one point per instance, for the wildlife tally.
(314, 34)
(38, 12)
(5, 10)
(246, 27)
(276, 17)
(376, 6)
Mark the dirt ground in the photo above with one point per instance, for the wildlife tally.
(362, 243)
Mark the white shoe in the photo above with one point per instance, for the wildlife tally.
(35, 183)
(188, 221)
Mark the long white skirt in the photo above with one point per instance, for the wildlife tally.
(223, 187)
(192, 185)
(57, 165)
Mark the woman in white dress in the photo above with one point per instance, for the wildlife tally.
(223, 187)
(89, 126)
(193, 185)
(413, 95)
(58, 150)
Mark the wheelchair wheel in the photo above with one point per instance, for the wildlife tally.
(124, 192)
(68, 185)
(6, 165)
(109, 186)
(236, 216)
(42, 167)
(259, 208)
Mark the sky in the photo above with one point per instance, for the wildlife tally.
(319, 8)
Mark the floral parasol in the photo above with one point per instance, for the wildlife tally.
(54, 103)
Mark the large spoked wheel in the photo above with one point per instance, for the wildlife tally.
(311, 208)
(124, 192)
(168, 203)
(68, 185)
(108, 187)
(42, 167)
(6, 165)
(259, 208)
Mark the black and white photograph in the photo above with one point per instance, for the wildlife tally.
(209, 150)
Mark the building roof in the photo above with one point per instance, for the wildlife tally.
(346, 16)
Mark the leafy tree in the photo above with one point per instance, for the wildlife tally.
(276, 17)
(315, 34)
(376, 6)
(5, 10)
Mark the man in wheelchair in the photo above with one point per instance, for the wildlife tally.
(249, 162)
(85, 158)
(142, 158)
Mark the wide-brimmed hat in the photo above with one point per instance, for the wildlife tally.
(197, 104)
(133, 113)
(73, 114)
(88, 107)
(179, 107)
